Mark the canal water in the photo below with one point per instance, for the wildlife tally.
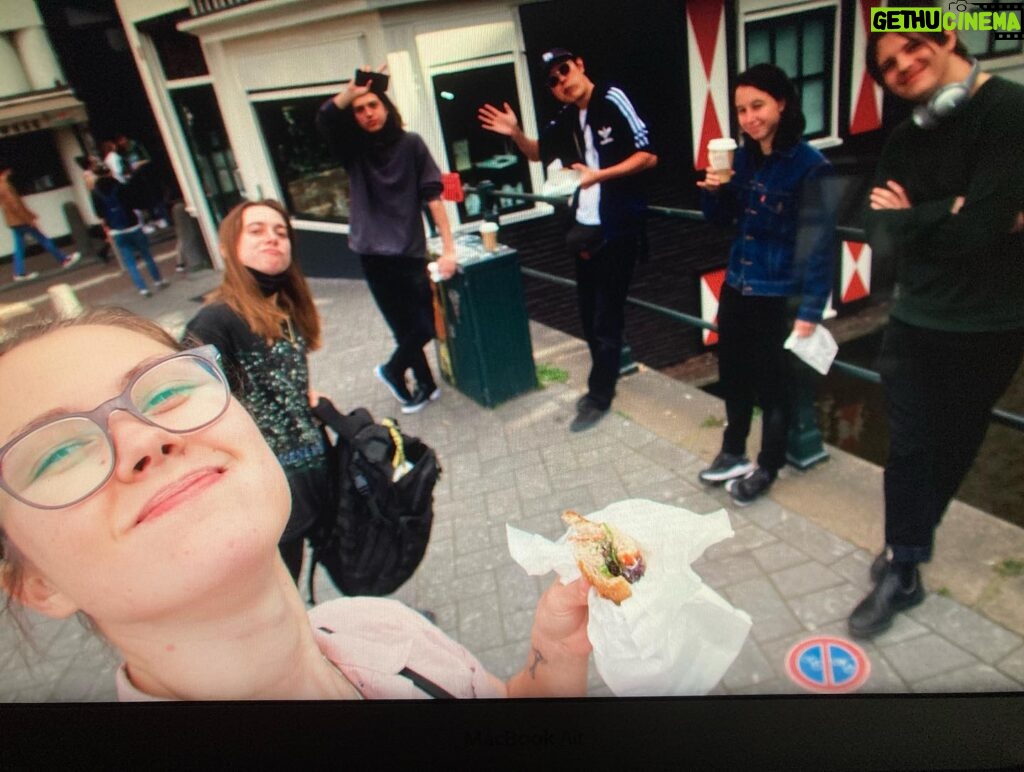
(851, 415)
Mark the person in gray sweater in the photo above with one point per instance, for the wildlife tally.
(391, 177)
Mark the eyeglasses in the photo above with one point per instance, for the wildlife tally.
(68, 458)
(556, 77)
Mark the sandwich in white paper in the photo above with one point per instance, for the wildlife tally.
(672, 635)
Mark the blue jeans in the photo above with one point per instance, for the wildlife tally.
(135, 243)
(20, 232)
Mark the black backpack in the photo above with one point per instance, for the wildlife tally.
(377, 528)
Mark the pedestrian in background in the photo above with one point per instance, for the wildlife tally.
(112, 203)
(263, 322)
(599, 134)
(391, 177)
(22, 222)
(782, 207)
(147, 188)
(946, 207)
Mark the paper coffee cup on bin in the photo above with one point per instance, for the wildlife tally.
(720, 155)
(489, 235)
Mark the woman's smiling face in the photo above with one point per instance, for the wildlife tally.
(179, 513)
(758, 113)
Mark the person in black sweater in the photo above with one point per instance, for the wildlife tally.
(946, 207)
(391, 177)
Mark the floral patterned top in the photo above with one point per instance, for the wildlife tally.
(272, 382)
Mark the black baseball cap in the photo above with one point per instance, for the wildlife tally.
(550, 58)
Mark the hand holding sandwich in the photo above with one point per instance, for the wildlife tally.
(559, 647)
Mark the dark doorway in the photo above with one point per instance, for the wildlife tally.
(93, 51)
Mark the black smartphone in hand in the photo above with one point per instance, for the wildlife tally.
(377, 81)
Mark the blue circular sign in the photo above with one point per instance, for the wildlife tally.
(827, 664)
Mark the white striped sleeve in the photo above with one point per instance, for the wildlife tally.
(636, 124)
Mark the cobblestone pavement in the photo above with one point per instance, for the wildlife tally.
(519, 464)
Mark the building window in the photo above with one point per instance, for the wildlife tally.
(983, 44)
(477, 154)
(802, 44)
(37, 164)
(314, 185)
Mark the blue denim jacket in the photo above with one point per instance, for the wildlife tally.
(785, 214)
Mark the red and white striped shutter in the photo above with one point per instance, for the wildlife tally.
(709, 83)
(865, 94)
(710, 293)
(856, 271)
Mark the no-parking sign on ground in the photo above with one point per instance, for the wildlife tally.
(827, 664)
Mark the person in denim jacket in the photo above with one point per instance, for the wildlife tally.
(779, 201)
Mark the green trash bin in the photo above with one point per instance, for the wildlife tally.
(483, 337)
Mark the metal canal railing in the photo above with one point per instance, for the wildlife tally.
(806, 445)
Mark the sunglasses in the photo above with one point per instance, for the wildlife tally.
(68, 458)
(556, 77)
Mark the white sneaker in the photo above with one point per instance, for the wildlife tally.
(145, 293)
(72, 259)
(26, 276)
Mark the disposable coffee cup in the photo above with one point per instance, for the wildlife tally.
(489, 236)
(720, 155)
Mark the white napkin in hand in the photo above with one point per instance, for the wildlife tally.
(674, 635)
(817, 349)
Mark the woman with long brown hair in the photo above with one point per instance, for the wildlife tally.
(263, 322)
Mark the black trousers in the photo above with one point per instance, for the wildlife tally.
(401, 289)
(754, 368)
(940, 388)
(604, 270)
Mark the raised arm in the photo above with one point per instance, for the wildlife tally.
(559, 647)
(506, 123)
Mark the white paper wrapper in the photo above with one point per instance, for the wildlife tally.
(674, 635)
(817, 349)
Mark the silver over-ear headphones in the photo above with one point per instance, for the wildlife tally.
(946, 101)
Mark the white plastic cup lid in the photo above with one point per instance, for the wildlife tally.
(489, 227)
(722, 143)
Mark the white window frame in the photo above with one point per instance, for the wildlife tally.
(759, 10)
(433, 66)
(324, 90)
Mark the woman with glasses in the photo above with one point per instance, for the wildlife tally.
(780, 266)
(141, 494)
(263, 322)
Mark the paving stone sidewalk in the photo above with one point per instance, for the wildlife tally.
(519, 464)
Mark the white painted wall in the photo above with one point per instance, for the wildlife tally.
(18, 14)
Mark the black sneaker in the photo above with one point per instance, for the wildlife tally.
(875, 613)
(726, 466)
(746, 490)
(588, 413)
(420, 399)
(397, 388)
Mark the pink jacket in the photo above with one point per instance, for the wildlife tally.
(371, 640)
